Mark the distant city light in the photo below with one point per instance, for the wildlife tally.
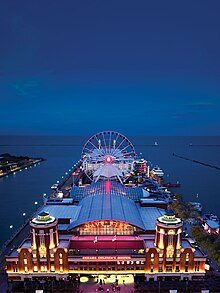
(11, 226)
(24, 214)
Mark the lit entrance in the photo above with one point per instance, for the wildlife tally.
(122, 279)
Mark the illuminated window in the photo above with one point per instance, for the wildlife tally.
(26, 269)
(52, 255)
(137, 262)
(42, 238)
(161, 255)
(187, 256)
(60, 255)
(43, 268)
(152, 255)
(168, 268)
(52, 268)
(178, 255)
(61, 269)
(25, 261)
(170, 240)
(35, 268)
(34, 255)
(61, 261)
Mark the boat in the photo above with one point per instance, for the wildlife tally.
(169, 184)
(157, 171)
(54, 186)
(197, 206)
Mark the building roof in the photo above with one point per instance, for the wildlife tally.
(61, 211)
(106, 187)
(212, 224)
(106, 201)
(150, 215)
(118, 208)
(108, 207)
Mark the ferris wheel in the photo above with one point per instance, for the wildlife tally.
(107, 148)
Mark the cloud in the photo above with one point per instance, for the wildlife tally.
(26, 88)
(184, 114)
(200, 105)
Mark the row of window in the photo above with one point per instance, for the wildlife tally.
(109, 268)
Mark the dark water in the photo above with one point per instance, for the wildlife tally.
(19, 191)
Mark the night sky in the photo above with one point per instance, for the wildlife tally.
(137, 67)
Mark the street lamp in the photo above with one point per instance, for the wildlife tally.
(24, 215)
(11, 227)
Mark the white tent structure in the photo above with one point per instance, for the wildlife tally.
(109, 172)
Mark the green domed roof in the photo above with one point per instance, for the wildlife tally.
(169, 218)
(43, 218)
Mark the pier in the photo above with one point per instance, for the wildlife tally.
(15, 166)
(22, 233)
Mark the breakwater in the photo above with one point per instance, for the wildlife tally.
(197, 162)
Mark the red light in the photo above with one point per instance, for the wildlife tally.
(107, 186)
(108, 159)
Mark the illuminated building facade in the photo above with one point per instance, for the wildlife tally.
(108, 234)
(103, 228)
(140, 166)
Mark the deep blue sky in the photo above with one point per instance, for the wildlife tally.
(139, 67)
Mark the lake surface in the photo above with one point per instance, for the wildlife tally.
(20, 191)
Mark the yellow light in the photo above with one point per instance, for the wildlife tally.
(84, 279)
(161, 245)
(52, 245)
